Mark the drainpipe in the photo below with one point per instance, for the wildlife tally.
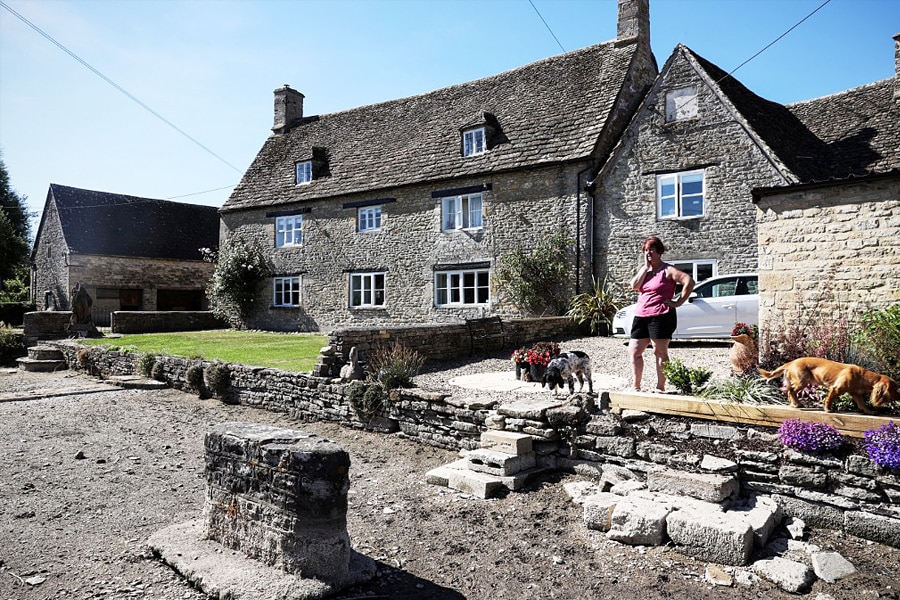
(578, 230)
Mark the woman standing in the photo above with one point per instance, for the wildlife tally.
(654, 317)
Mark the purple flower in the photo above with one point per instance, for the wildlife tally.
(883, 446)
(809, 436)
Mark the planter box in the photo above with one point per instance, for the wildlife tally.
(770, 415)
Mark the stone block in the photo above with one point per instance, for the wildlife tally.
(616, 445)
(598, 510)
(703, 486)
(719, 537)
(762, 513)
(638, 521)
(787, 574)
(718, 432)
(499, 463)
(876, 528)
(831, 566)
(506, 442)
(812, 513)
(441, 475)
(480, 485)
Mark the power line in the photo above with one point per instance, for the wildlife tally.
(114, 84)
(547, 26)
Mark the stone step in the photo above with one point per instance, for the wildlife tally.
(457, 476)
(41, 366)
(136, 382)
(492, 462)
(45, 353)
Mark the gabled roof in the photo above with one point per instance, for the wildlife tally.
(119, 225)
(851, 133)
(548, 112)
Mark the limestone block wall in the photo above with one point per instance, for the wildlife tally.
(159, 321)
(844, 491)
(279, 496)
(518, 211)
(442, 342)
(45, 325)
(830, 251)
(714, 141)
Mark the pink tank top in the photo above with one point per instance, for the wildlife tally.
(654, 292)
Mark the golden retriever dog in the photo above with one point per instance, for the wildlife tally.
(839, 378)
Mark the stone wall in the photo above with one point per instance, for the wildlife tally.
(714, 141)
(518, 211)
(442, 342)
(844, 491)
(160, 321)
(831, 250)
(45, 325)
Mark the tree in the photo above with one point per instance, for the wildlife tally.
(535, 281)
(15, 230)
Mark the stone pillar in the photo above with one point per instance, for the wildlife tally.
(279, 496)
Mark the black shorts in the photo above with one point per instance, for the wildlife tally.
(660, 327)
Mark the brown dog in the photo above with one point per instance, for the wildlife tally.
(839, 378)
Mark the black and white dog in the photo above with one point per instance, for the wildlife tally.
(564, 368)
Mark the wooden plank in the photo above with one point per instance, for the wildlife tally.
(769, 415)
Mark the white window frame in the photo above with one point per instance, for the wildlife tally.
(679, 196)
(367, 290)
(462, 212)
(681, 104)
(304, 172)
(464, 287)
(474, 142)
(696, 267)
(368, 218)
(288, 231)
(287, 291)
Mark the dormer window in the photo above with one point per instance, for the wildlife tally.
(681, 104)
(474, 142)
(304, 172)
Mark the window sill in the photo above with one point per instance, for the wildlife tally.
(697, 218)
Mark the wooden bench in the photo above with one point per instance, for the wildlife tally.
(481, 331)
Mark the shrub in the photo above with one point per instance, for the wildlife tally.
(218, 377)
(158, 371)
(883, 446)
(685, 379)
(818, 336)
(878, 339)
(395, 365)
(599, 306)
(367, 400)
(746, 389)
(194, 377)
(809, 436)
(232, 290)
(12, 344)
(535, 282)
(145, 364)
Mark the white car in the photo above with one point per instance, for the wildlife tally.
(713, 308)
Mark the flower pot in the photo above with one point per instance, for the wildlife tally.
(537, 371)
(744, 354)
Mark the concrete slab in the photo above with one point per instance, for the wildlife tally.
(225, 573)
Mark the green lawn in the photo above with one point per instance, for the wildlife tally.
(288, 351)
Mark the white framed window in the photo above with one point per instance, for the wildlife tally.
(466, 287)
(461, 212)
(680, 195)
(681, 104)
(699, 269)
(369, 218)
(304, 172)
(288, 231)
(473, 142)
(286, 291)
(367, 290)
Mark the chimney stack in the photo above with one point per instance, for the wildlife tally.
(897, 67)
(288, 109)
(634, 22)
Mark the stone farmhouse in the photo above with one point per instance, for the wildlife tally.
(398, 213)
(129, 253)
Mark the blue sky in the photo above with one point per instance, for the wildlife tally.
(210, 67)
